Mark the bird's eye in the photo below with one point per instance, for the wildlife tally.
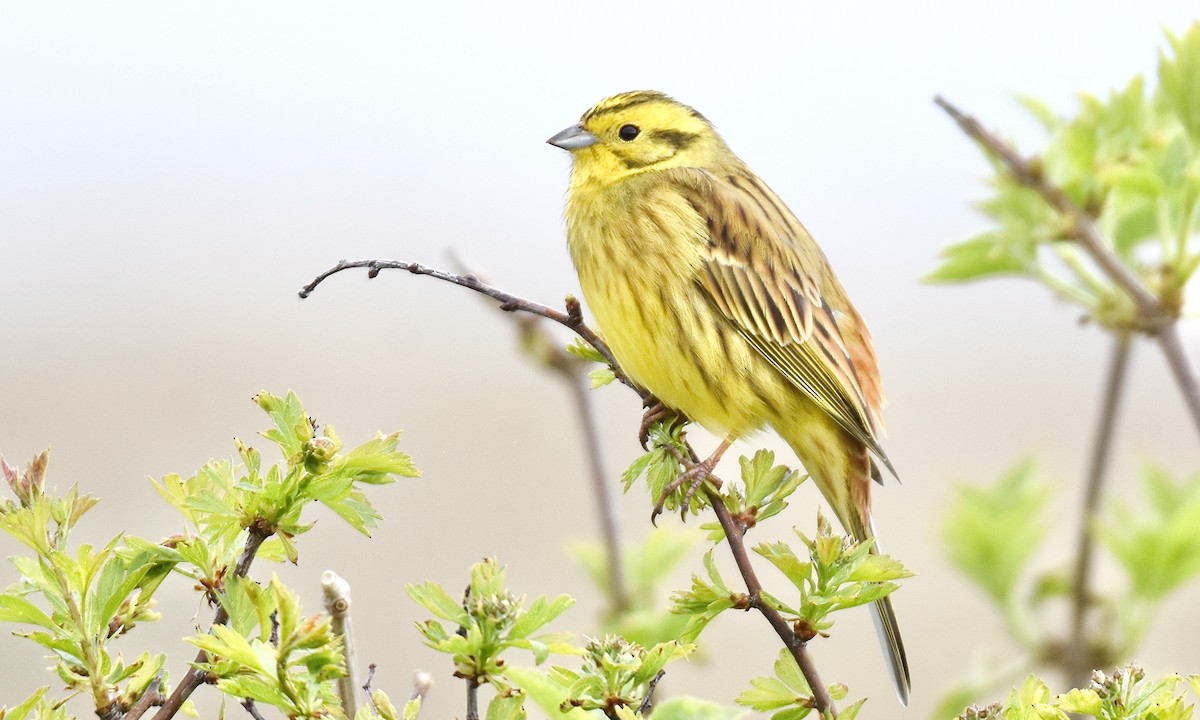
(628, 132)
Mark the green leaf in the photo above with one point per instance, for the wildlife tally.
(538, 614)
(585, 351)
(1041, 112)
(1179, 79)
(507, 706)
(548, 694)
(16, 609)
(227, 643)
(433, 598)
(691, 708)
(601, 377)
(21, 711)
(1085, 702)
(992, 531)
(797, 571)
(1159, 548)
(851, 711)
(985, 255)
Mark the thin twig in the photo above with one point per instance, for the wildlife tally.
(573, 320)
(370, 692)
(1183, 368)
(472, 681)
(195, 677)
(472, 698)
(549, 353)
(1154, 317)
(1078, 660)
(150, 697)
(648, 701)
(1084, 229)
(251, 708)
(822, 701)
(605, 501)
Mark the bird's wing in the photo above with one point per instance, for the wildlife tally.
(766, 274)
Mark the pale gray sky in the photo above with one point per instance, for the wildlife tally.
(171, 174)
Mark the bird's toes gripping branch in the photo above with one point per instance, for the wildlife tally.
(656, 412)
(694, 478)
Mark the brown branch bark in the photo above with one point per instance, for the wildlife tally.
(1079, 658)
(1154, 318)
(573, 320)
(796, 646)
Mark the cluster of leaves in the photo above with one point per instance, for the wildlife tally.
(1131, 162)
(488, 621)
(1125, 694)
(838, 574)
(993, 532)
(787, 694)
(93, 596)
(270, 653)
(616, 676)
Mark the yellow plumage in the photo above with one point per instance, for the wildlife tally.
(714, 297)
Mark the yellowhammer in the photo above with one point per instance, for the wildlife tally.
(713, 297)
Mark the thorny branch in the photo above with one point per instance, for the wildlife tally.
(1154, 318)
(573, 320)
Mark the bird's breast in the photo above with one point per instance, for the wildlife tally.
(638, 265)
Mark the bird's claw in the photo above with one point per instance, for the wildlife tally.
(656, 412)
(694, 477)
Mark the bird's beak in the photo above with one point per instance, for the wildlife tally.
(574, 138)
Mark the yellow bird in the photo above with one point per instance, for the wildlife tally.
(713, 297)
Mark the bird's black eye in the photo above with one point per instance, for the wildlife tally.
(628, 132)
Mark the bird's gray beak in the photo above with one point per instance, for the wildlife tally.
(574, 138)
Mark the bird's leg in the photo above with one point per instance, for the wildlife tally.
(694, 477)
(656, 412)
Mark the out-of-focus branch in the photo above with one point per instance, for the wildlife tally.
(549, 353)
(796, 645)
(1078, 656)
(1154, 318)
(573, 319)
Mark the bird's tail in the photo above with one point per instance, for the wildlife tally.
(851, 503)
(893, 646)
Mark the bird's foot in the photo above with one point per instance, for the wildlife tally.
(694, 478)
(656, 412)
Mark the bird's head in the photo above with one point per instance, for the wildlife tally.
(636, 132)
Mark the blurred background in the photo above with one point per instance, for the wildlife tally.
(172, 174)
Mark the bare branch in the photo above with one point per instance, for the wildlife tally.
(252, 709)
(571, 319)
(550, 354)
(648, 701)
(1078, 657)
